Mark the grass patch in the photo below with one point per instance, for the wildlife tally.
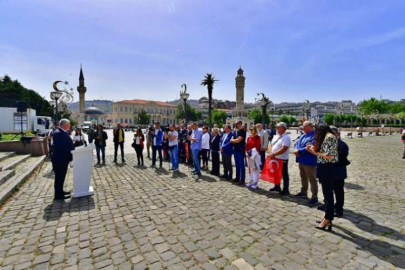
(13, 137)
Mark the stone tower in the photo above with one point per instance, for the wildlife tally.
(240, 90)
(82, 90)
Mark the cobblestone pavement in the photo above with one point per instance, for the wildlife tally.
(142, 218)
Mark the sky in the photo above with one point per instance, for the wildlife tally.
(291, 50)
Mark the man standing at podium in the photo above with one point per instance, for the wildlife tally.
(119, 138)
(62, 147)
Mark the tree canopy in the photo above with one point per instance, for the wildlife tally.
(256, 115)
(12, 90)
(192, 114)
(219, 117)
(142, 117)
(373, 105)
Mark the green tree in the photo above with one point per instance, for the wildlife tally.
(328, 118)
(219, 117)
(285, 119)
(209, 81)
(292, 120)
(256, 115)
(12, 91)
(142, 117)
(192, 114)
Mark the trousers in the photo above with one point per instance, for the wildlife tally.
(227, 163)
(308, 175)
(215, 162)
(326, 175)
(196, 159)
(240, 165)
(60, 169)
(102, 150)
(139, 154)
(158, 149)
(338, 189)
(174, 157)
(121, 145)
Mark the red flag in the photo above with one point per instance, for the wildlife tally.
(272, 171)
(186, 149)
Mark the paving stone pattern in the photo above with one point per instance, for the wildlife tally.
(148, 219)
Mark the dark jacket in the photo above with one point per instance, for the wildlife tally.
(116, 136)
(341, 170)
(100, 141)
(62, 146)
(215, 143)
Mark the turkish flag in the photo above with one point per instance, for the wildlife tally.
(272, 171)
(186, 149)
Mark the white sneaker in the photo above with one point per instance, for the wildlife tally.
(249, 184)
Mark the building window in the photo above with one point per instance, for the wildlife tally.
(122, 120)
(130, 121)
(126, 109)
(121, 109)
(130, 109)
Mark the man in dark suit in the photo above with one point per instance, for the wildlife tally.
(119, 139)
(215, 149)
(62, 147)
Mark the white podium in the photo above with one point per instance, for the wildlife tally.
(82, 168)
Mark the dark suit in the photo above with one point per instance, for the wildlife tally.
(62, 147)
(215, 154)
(341, 175)
(100, 142)
(120, 144)
(227, 151)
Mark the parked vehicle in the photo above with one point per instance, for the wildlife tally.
(86, 125)
(12, 121)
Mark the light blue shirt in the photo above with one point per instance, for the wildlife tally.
(197, 134)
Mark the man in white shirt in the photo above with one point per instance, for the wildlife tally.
(205, 147)
(279, 149)
(264, 136)
(173, 148)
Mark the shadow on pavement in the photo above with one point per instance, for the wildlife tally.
(56, 209)
(353, 186)
(383, 250)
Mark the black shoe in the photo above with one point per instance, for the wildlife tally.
(326, 227)
(321, 207)
(284, 193)
(115, 161)
(67, 192)
(198, 174)
(235, 180)
(301, 195)
(275, 188)
(229, 178)
(224, 176)
(123, 161)
(242, 183)
(103, 162)
(98, 162)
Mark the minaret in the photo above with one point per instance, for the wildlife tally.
(240, 90)
(82, 90)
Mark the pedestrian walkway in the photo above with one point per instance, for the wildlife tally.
(145, 218)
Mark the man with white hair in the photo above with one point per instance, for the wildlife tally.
(307, 163)
(62, 147)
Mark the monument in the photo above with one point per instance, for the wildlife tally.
(239, 113)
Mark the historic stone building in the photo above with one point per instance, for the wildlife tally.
(125, 111)
(240, 113)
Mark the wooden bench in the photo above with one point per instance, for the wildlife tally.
(359, 135)
(370, 133)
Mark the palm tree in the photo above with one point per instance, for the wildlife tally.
(209, 81)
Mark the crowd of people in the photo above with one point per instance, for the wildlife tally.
(320, 153)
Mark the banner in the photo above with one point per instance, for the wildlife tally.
(272, 171)
(186, 149)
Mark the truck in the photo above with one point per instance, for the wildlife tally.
(86, 125)
(12, 121)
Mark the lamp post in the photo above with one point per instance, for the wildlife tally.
(264, 102)
(361, 124)
(341, 116)
(55, 95)
(306, 108)
(184, 96)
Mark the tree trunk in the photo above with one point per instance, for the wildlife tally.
(209, 107)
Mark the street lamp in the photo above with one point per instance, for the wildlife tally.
(361, 124)
(264, 102)
(184, 96)
(55, 95)
(306, 108)
(341, 116)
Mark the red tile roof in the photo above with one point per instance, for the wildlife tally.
(143, 102)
